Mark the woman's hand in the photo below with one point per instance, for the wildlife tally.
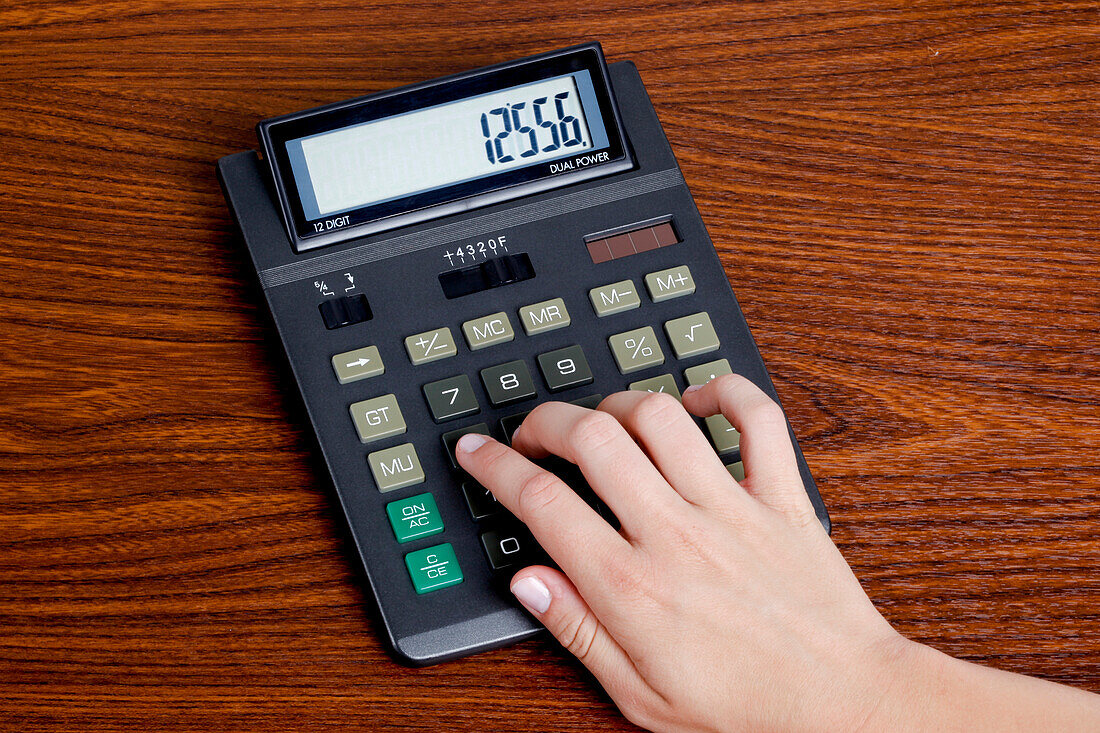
(719, 605)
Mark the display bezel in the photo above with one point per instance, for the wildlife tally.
(275, 133)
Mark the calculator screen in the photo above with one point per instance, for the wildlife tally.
(446, 144)
(430, 150)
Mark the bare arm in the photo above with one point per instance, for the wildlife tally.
(723, 605)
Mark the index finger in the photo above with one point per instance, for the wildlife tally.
(571, 531)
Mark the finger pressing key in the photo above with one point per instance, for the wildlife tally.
(578, 538)
(679, 449)
(612, 463)
(771, 471)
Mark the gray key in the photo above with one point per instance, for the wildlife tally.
(691, 335)
(544, 316)
(668, 284)
(636, 350)
(662, 383)
(430, 345)
(703, 373)
(488, 330)
(395, 468)
(377, 418)
(352, 366)
(725, 437)
(614, 298)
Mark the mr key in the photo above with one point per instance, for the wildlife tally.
(603, 278)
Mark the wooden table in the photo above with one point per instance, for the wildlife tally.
(906, 200)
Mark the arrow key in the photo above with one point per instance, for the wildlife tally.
(352, 366)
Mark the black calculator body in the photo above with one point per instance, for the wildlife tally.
(414, 307)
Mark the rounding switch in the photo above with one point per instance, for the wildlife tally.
(344, 311)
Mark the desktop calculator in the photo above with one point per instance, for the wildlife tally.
(439, 259)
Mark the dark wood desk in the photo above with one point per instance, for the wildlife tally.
(905, 197)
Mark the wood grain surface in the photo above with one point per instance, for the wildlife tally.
(905, 197)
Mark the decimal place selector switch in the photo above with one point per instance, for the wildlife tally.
(344, 311)
(485, 275)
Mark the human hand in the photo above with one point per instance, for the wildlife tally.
(718, 605)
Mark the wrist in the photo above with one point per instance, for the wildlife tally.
(905, 675)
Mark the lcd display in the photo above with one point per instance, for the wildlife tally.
(447, 144)
(444, 147)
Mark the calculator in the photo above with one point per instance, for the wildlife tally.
(439, 259)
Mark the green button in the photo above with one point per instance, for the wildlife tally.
(544, 316)
(508, 382)
(636, 350)
(737, 470)
(614, 298)
(352, 366)
(377, 418)
(703, 373)
(725, 437)
(414, 517)
(691, 335)
(395, 468)
(671, 283)
(488, 330)
(662, 383)
(450, 398)
(433, 568)
(430, 345)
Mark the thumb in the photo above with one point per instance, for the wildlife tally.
(554, 600)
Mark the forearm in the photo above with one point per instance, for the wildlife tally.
(933, 691)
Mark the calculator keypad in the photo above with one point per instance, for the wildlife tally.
(508, 383)
(548, 315)
(636, 350)
(351, 366)
(433, 568)
(480, 500)
(430, 346)
(414, 518)
(377, 418)
(725, 437)
(565, 368)
(395, 468)
(691, 335)
(488, 330)
(665, 383)
(451, 398)
(607, 300)
(674, 282)
(509, 423)
(507, 544)
(450, 438)
(703, 373)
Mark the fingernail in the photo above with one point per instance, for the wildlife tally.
(692, 388)
(470, 442)
(532, 593)
(515, 433)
